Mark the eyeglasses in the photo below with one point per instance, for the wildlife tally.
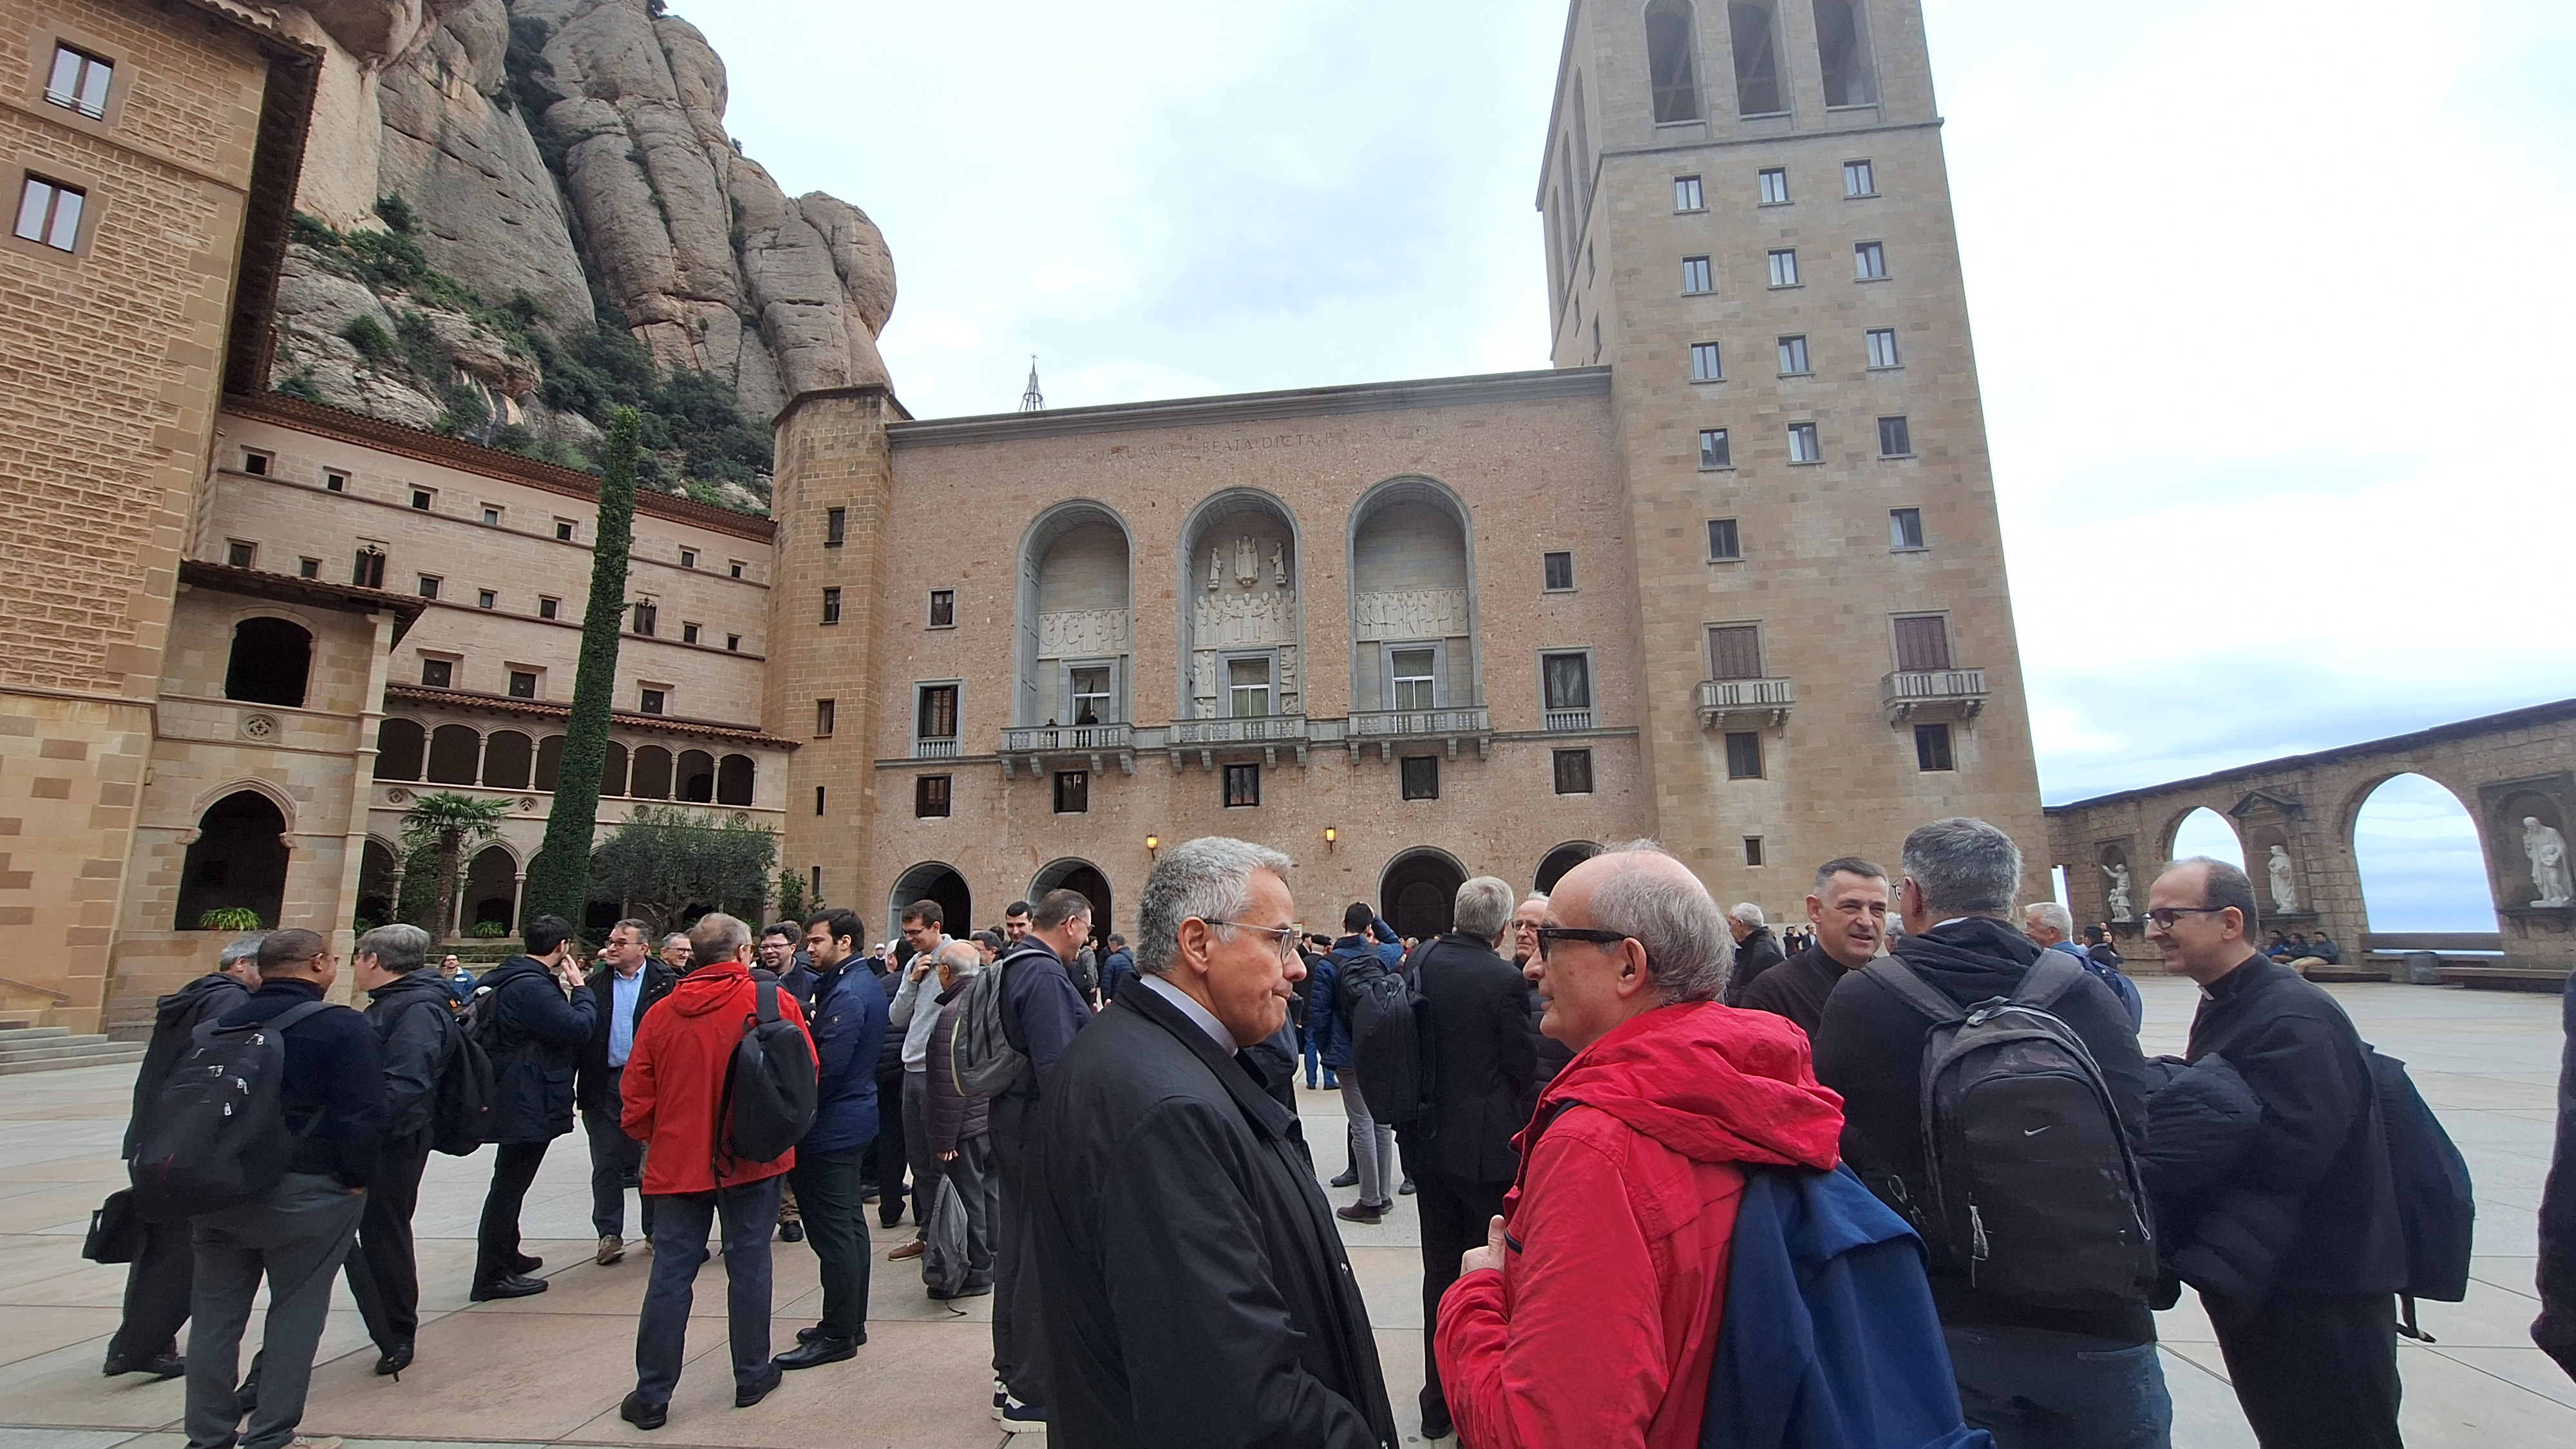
(1576, 933)
(2165, 916)
(1284, 937)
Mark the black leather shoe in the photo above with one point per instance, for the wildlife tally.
(159, 1365)
(1350, 1178)
(817, 1351)
(893, 1219)
(394, 1360)
(791, 1232)
(520, 1286)
(971, 1290)
(642, 1413)
(529, 1263)
(746, 1395)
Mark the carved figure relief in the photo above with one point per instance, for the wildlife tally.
(2550, 873)
(2285, 893)
(1215, 568)
(1247, 560)
(2116, 894)
(1076, 633)
(1279, 565)
(1234, 621)
(1413, 614)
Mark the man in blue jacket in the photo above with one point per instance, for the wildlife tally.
(534, 1038)
(846, 1012)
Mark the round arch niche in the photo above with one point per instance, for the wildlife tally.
(2422, 866)
(1073, 653)
(1418, 891)
(237, 860)
(1075, 874)
(2202, 831)
(1241, 627)
(933, 880)
(1412, 566)
(1557, 862)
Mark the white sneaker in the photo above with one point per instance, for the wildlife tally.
(1024, 1419)
(1001, 1397)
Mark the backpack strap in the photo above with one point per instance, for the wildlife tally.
(1891, 972)
(1538, 1129)
(2047, 979)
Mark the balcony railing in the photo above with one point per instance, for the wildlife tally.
(1419, 723)
(935, 749)
(1065, 739)
(1259, 730)
(1567, 719)
(1956, 693)
(1725, 702)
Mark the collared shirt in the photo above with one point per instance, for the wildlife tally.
(1203, 1018)
(915, 1010)
(624, 992)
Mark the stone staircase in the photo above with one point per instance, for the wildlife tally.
(47, 1048)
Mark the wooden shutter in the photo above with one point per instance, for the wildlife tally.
(1923, 643)
(1735, 652)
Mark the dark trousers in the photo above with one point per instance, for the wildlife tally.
(979, 1187)
(680, 1224)
(916, 1145)
(383, 1274)
(514, 1166)
(1019, 1342)
(836, 1228)
(2313, 1371)
(296, 1237)
(2034, 1388)
(616, 1164)
(158, 1284)
(890, 1158)
(1454, 1213)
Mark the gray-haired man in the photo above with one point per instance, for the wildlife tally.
(1755, 949)
(414, 1015)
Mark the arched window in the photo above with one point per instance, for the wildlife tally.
(1842, 45)
(697, 778)
(549, 762)
(453, 749)
(734, 775)
(237, 862)
(506, 757)
(399, 743)
(612, 770)
(1670, 62)
(271, 660)
(652, 777)
(1754, 29)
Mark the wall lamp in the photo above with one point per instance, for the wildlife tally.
(1330, 835)
(1153, 843)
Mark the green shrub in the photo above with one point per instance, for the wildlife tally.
(230, 918)
(302, 385)
(373, 342)
(489, 930)
(395, 212)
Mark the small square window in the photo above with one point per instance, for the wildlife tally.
(688, 633)
(1704, 363)
(930, 797)
(1882, 347)
(491, 516)
(1743, 755)
(50, 212)
(1421, 776)
(1775, 185)
(1793, 357)
(1072, 792)
(1869, 261)
(1905, 528)
(1560, 570)
(648, 617)
(239, 554)
(1753, 850)
(836, 527)
(429, 585)
(1859, 179)
(1695, 277)
(1724, 546)
(1784, 267)
(1242, 785)
(654, 699)
(943, 608)
(824, 713)
(832, 605)
(688, 558)
(79, 81)
(737, 568)
(733, 643)
(1804, 446)
(1686, 194)
(421, 498)
(1895, 438)
(1714, 451)
(1573, 772)
(308, 568)
(335, 482)
(255, 462)
(438, 673)
(563, 530)
(1932, 748)
(486, 599)
(548, 608)
(523, 684)
(818, 799)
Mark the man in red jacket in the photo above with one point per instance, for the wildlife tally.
(673, 1088)
(1591, 1314)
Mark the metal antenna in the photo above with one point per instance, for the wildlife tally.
(1033, 401)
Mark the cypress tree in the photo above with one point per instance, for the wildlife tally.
(559, 876)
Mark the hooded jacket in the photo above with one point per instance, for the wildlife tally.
(415, 1020)
(174, 1023)
(534, 1037)
(675, 1077)
(1601, 1325)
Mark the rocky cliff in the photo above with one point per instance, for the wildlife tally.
(520, 213)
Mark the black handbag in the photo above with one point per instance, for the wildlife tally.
(115, 1230)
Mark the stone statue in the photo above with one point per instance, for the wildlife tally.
(1216, 566)
(1279, 564)
(2285, 895)
(2549, 868)
(2116, 896)
(1247, 560)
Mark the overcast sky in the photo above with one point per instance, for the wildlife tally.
(2269, 307)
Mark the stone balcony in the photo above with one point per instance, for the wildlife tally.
(1554, 720)
(1451, 727)
(1034, 748)
(1726, 704)
(1207, 738)
(1932, 694)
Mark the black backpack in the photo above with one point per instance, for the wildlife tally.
(769, 1088)
(2435, 1212)
(460, 1119)
(218, 1137)
(1390, 1034)
(2034, 1192)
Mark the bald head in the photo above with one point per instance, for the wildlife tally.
(1643, 892)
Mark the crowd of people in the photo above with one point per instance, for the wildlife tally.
(1587, 1094)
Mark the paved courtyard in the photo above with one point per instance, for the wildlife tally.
(551, 1369)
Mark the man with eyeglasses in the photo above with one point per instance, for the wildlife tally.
(1041, 1011)
(2297, 1253)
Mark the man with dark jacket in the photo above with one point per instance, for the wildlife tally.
(158, 1283)
(1484, 1072)
(958, 1128)
(1365, 950)
(2298, 1254)
(620, 996)
(414, 1016)
(297, 1234)
(1849, 907)
(1527, 917)
(1117, 969)
(535, 1039)
(846, 1013)
(912, 1018)
(2555, 1329)
(1195, 1291)
(2037, 1375)
(1755, 950)
(1041, 1011)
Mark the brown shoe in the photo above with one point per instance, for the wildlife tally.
(913, 1249)
(611, 1248)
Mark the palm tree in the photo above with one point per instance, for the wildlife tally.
(449, 824)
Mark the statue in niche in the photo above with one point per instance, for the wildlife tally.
(2285, 894)
(1216, 568)
(2116, 895)
(1247, 560)
(2547, 851)
(1279, 564)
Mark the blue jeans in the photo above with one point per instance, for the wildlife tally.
(2037, 1389)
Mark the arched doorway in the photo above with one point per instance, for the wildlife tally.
(491, 889)
(1419, 891)
(238, 861)
(2421, 865)
(1073, 874)
(1557, 862)
(933, 880)
(2203, 832)
(375, 884)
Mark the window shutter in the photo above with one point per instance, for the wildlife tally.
(1922, 643)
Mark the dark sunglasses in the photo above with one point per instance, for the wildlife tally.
(1576, 933)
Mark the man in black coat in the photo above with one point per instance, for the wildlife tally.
(1849, 907)
(620, 996)
(534, 1037)
(1755, 950)
(2299, 1256)
(1484, 1075)
(1041, 1012)
(1196, 1295)
(414, 1016)
(159, 1280)
(2555, 1329)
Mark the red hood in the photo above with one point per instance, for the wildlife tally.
(711, 988)
(1712, 1083)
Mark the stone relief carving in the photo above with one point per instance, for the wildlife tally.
(1279, 564)
(1247, 560)
(2550, 873)
(2116, 894)
(1234, 621)
(1413, 614)
(1077, 633)
(1216, 568)
(2285, 892)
